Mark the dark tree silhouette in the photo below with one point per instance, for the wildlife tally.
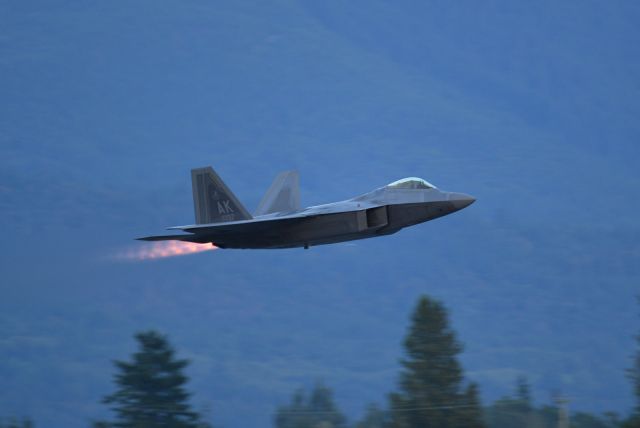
(634, 375)
(17, 423)
(516, 411)
(317, 410)
(374, 417)
(432, 393)
(150, 389)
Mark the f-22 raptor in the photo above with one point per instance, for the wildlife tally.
(279, 222)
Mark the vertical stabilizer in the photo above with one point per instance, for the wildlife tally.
(283, 195)
(212, 199)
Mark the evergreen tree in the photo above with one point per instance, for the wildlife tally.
(150, 389)
(516, 411)
(634, 376)
(15, 423)
(470, 413)
(587, 420)
(432, 393)
(523, 394)
(317, 411)
(374, 417)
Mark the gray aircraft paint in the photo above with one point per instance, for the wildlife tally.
(282, 196)
(213, 201)
(279, 222)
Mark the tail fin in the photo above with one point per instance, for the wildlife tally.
(212, 199)
(283, 195)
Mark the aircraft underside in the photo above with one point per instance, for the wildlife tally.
(331, 228)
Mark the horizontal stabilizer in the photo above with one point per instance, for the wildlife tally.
(198, 239)
(282, 196)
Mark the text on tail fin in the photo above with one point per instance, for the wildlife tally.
(213, 201)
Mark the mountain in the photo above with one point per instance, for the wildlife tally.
(530, 108)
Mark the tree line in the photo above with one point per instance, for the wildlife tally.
(432, 392)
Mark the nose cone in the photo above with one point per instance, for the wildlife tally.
(460, 200)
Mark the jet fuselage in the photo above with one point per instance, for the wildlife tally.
(383, 211)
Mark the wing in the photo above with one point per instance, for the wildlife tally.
(211, 232)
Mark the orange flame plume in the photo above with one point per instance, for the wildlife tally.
(162, 249)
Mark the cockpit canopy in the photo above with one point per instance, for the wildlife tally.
(411, 183)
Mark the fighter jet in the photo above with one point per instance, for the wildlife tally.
(279, 222)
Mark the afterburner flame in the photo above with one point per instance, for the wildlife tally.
(162, 249)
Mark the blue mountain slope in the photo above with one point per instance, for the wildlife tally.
(105, 109)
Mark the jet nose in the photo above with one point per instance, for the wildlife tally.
(461, 200)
